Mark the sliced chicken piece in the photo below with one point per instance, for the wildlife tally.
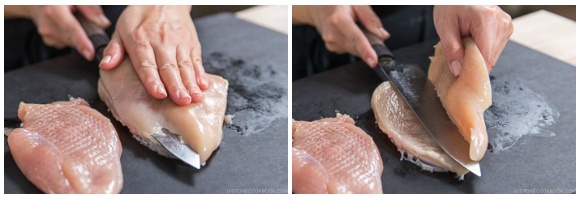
(67, 147)
(396, 119)
(332, 155)
(199, 125)
(465, 97)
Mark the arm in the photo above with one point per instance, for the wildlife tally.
(11, 12)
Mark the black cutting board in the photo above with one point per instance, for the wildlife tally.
(544, 163)
(252, 157)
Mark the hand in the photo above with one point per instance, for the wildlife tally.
(339, 29)
(489, 26)
(164, 49)
(59, 28)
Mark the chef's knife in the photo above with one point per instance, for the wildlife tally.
(422, 98)
(167, 139)
(96, 34)
(179, 149)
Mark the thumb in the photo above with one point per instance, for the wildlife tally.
(95, 14)
(113, 54)
(453, 51)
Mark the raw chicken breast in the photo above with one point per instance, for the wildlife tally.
(199, 125)
(464, 97)
(67, 147)
(332, 155)
(397, 120)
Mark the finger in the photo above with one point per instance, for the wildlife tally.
(200, 75)
(448, 31)
(113, 53)
(504, 31)
(170, 75)
(187, 73)
(95, 14)
(74, 33)
(371, 21)
(357, 43)
(143, 59)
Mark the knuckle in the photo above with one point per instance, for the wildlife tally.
(185, 64)
(197, 60)
(139, 35)
(335, 48)
(48, 11)
(355, 39)
(190, 84)
(451, 48)
(44, 31)
(152, 82)
(147, 64)
(335, 20)
(329, 37)
(173, 85)
(51, 42)
(168, 66)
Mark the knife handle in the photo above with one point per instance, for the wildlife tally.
(96, 34)
(383, 52)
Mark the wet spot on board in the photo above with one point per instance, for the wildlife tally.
(256, 93)
(517, 112)
(408, 78)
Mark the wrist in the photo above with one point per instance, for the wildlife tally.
(11, 12)
(301, 15)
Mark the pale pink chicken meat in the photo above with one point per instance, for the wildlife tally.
(396, 119)
(199, 125)
(332, 155)
(67, 147)
(465, 97)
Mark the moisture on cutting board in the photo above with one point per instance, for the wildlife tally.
(516, 112)
(255, 93)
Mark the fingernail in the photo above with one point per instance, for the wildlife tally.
(86, 54)
(160, 90)
(370, 62)
(183, 95)
(104, 19)
(203, 81)
(195, 95)
(455, 67)
(384, 32)
(106, 59)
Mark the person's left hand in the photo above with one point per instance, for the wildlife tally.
(489, 26)
(164, 49)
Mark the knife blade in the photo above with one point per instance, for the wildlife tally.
(168, 140)
(177, 148)
(422, 98)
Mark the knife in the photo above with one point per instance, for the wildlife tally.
(168, 140)
(422, 98)
(177, 148)
(96, 34)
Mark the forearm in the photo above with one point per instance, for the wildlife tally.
(300, 15)
(11, 12)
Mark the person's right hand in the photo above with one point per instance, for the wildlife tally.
(338, 27)
(59, 28)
